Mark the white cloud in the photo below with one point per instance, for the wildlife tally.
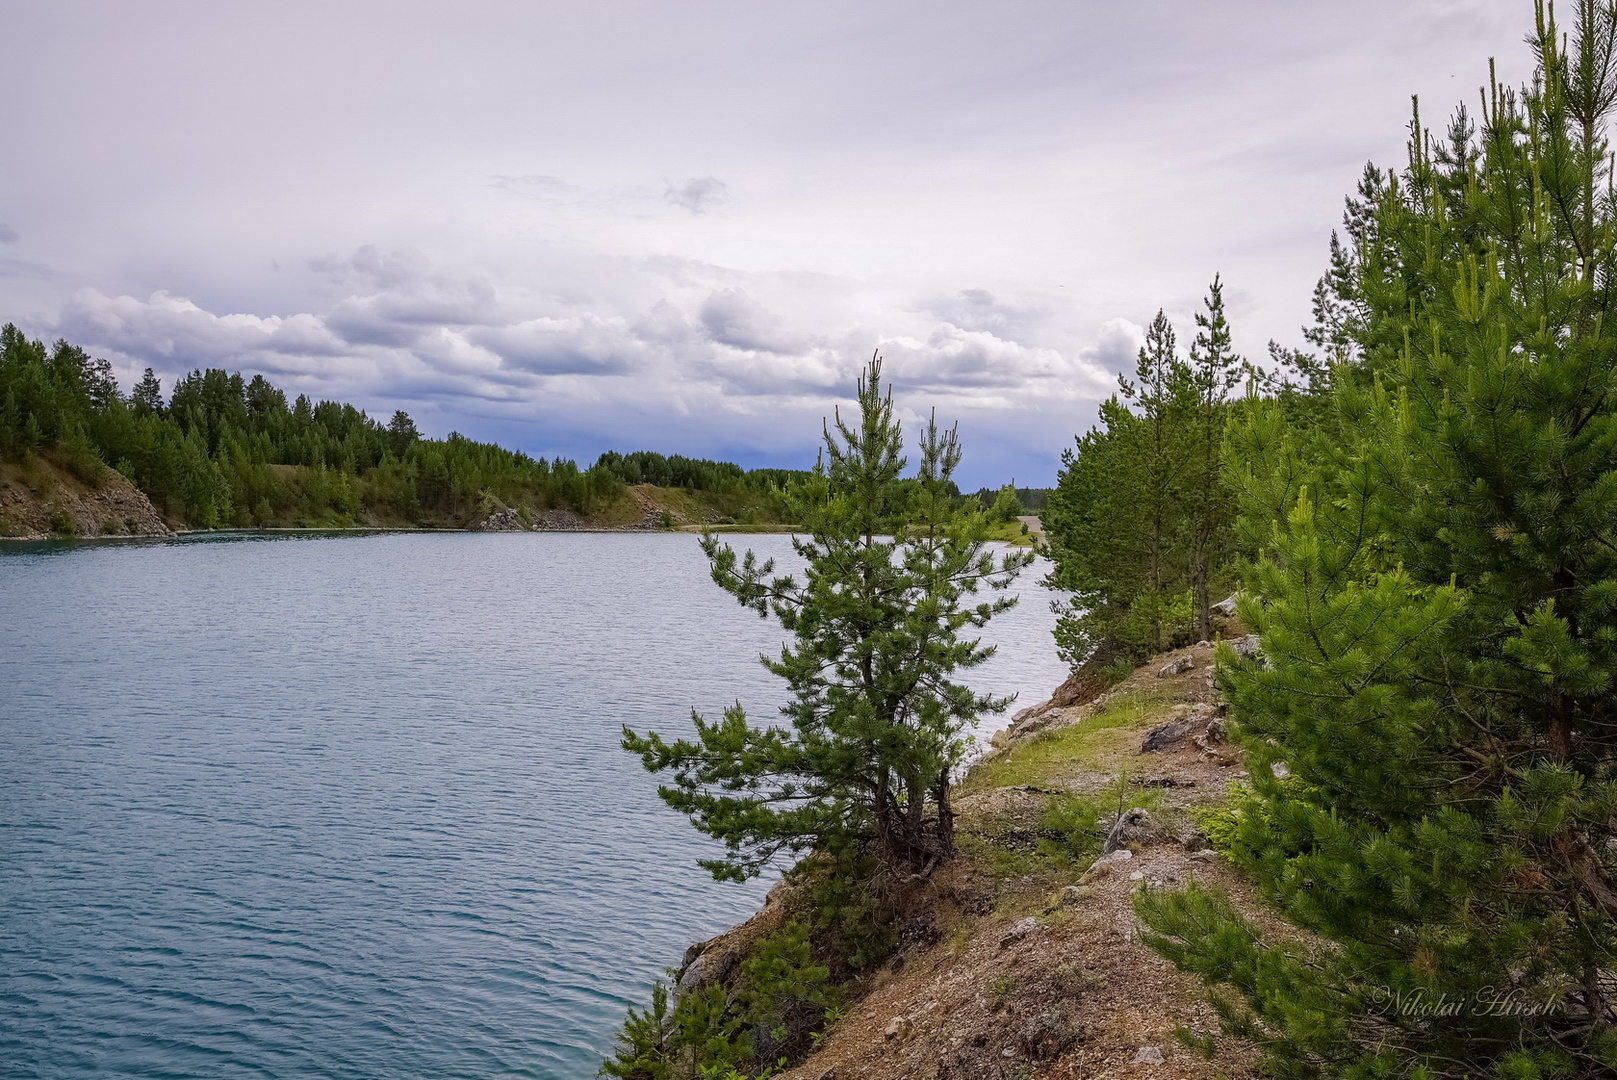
(423, 333)
(172, 328)
(1117, 344)
(526, 199)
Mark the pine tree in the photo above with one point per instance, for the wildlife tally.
(148, 396)
(1214, 370)
(876, 724)
(402, 433)
(1161, 398)
(1438, 613)
(1140, 521)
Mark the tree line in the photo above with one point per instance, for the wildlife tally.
(1422, 517)
(225, 450)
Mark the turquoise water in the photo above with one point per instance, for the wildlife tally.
(354, 806)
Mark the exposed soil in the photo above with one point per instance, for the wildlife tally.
(1034, 967)
(39, 499)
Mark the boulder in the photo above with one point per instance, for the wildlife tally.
(506, 520)
(1148, 1055)
(1246, 647)
(1191, 724)
(1177, 666)
(1020, 929)
(1045, 1036)
(714, 961)
(1225, 607)
(1136, 827)
(1071, 896)
(1213, 736)
(1165, 736)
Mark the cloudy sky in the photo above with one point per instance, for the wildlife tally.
(579, 226)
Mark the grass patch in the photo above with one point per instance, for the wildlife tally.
(1091, 742)
(999, 862)
(1013, 532)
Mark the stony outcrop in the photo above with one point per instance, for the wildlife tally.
(39, 500)
(1246, 646)
(506, 520)
(1134, 829)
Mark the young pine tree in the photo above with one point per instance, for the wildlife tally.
(1438, 612)
(1140, 521)
(1206, 503)
(879, 619)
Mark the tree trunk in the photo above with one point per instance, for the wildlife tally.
(945, 817)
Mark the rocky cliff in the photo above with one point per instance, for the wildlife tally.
(41, 498)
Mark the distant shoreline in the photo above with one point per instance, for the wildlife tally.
(684, 530)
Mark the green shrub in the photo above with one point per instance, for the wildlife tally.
(63, 522)
(845, 910)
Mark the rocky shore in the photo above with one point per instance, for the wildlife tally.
(40, 500)
(1028, 962)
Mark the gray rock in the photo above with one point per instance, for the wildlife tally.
(1177, 666)
(1105, 865)
(1215, 734)
(712, 965)
(1020, 929)
(1148, 1055)
(1137, 826)
(1205, 855)
(1046, 1036)
(500, 521)
(1165, 737)
(1246, 647)
(1226, 606)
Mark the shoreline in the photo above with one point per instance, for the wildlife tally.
(1025, 955)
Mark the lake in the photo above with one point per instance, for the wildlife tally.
(354, 806)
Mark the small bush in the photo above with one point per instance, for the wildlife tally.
(858, 927)
(1077, 821)
(1218, 822)
(63, 523)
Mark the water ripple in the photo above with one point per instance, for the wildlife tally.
(355, 808)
